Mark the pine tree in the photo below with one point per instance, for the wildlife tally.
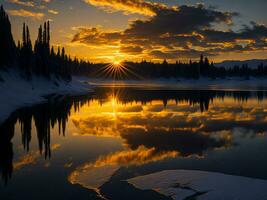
(24, 35)
(44, 35)
(8, 52)
(29, 42)
(26, 54)
(19, 45)
(48, 34)
(38, 52)
(53, 52)
(63, 53)
(42, 61)
(58, 52)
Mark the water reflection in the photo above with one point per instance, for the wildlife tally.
(153, 124)
(44, 117)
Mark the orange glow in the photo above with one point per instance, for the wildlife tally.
(93, 175)
(117, 63)
(115, 70)
(137, 118)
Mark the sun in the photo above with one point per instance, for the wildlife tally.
(115, 70)
(117, 63)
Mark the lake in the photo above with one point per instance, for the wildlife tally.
(86, 147)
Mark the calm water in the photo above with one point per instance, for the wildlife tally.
(85, 147)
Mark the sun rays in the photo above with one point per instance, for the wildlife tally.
(118, 70)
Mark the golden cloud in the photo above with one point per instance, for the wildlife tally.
(128, 6)
(26, 13)
(54, 12)
(23, 3)
(173, 33)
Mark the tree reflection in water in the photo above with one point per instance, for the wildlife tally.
(58, 109)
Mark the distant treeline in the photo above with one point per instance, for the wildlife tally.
(44, 60)
(191, 70)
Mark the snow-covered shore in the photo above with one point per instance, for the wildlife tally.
(183, 184)
(16, 92)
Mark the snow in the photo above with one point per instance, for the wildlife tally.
(180, 184)
(17, 92)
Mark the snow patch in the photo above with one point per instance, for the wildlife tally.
(181, 184)
(17, 92)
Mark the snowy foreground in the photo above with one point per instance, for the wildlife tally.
(17, 92)
(182, 184)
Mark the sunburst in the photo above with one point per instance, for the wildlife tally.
(117, 70)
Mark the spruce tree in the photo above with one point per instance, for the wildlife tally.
(26, 53)
(8, 53)
(38, 52)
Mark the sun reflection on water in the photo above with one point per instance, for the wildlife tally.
(146, 128)
(153, 132)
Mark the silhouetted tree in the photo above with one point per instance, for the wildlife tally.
(44, 61)
(26, 53)
(8, 53)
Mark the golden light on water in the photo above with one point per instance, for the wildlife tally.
(114, 103)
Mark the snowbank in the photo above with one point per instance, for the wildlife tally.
(181, 184)
(16, 92)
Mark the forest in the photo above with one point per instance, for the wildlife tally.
(42, 59)
(39, 59)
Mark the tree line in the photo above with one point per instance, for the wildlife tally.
(191, 70)
(43, 60)
(196, 69)
(39, 59)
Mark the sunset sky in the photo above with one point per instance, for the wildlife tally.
(116, 30)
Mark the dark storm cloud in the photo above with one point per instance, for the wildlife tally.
(254, 32)
(185, 31)
(181, 21)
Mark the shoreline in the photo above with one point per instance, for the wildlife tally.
(17, 92)
(230, 84)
